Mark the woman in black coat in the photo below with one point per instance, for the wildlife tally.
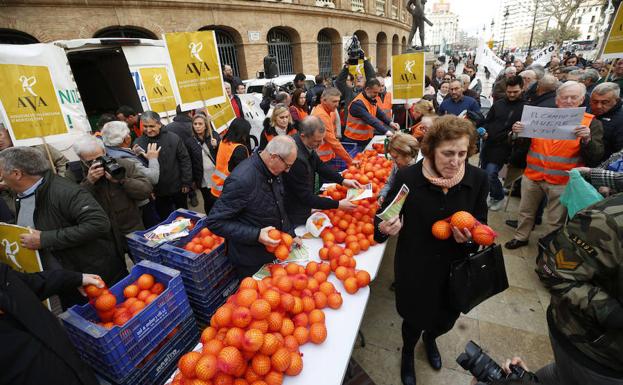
(440, 185)
(202, 149)
(35, 349)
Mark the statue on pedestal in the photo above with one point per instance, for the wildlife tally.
(416, 9)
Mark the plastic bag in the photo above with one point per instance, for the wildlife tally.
(579, 194)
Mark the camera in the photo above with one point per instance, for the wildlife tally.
(270, 90)
(481, 366)
(112, 167)
(354, 51)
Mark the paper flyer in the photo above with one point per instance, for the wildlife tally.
(297, 254)
(357, 194)
(395, 207)
(262, 273)
(326, 186)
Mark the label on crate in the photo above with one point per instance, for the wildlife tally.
(154, 321)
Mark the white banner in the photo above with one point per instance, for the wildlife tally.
(253, 113)
(543, 55)
(551, 123)
(486, 58)
(68, 97)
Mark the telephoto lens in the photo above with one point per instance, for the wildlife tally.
(479, 364)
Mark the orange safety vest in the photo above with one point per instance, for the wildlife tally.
(325, 151)
(385, 105)
(358, 129)
(270, 137)
(551, 159)
(221, 172)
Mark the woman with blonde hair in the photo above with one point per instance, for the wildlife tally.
(279, 123)
(417, 111)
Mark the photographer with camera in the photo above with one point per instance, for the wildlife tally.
(116, 184)
(486, 371)
(348, 85)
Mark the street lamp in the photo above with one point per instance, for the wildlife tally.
(504, 33)
(536, 7)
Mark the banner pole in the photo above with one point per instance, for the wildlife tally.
(47, 150)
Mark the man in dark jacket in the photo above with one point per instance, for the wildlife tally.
(35, 348)
(70, 229)
(299, 181)
(176, 171)
(605, 103)
(252, 204)
(228, 76)
(500, 119)
(313, 95)
(349, 91)
(182, 124)
(118, 196)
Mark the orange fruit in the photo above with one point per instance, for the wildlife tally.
(105, 302)
(222, 316)
(207, 242)
(274, 378)
(317, 333)
(275, 320)
(323, 254)
(463, 220)
(246, 297)
(364, 244)
(282, 252)
(296, 364)
(143, 294)
(308, 304)
(274, 234)
(350, 284)
(241, 317)
(287, 327)
(284, 284)
(335, 252)
(213, 347)
(248, 283)
(287, 301)
(301, 334)
(250, 376)
(291, 343)
(93, 291)
(145, 281)
(321, 276)
(151, 298)
(158, 288)
(234, 337)
(137, 307)
(320, 300)
(222, 379)
(298, 305)
(300, 319)
(316, 316)
(281, 360)
(270, 345)
(325, 268)
(311, 268)
(272, 297)
(363, 278)
(206, 367)
(334, 300)
(230, 360)
(253, 340)
(207, 334)
(261, 325)
(122, 317)
(261, 364)
(442, 230)
(354, 246)
(327, 288)
(286, 239)
(260, 309)
(188, 363)
(483, 235)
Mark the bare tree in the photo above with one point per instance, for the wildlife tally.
(562, 12)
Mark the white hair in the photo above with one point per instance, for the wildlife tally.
(281, 145)
(114, 133)
(87, 143)
(465, 79)
(509, 70)
(569, 84)
(604, 88)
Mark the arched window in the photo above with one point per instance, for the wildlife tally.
(226, 48)
(12, 36)
(280, 46)
(125, 32)
(325, 54)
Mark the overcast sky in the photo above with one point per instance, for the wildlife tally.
(473, 14)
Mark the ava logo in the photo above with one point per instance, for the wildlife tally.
(158, 80)
(11, 250)
(409, 66)
(195, 48)
(408, 74)
(32, 101)
(27, 84)
(359, 69)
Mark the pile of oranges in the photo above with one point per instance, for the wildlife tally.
(204, 242)
(481, 234)
(138, 294)
(282, 250)
(254, 338)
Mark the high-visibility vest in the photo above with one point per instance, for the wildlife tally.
(270, 137)
(358, 129)
(385, 105)
(221, 172)
(551, 159)
(325, 151)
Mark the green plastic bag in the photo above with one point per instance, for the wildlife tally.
(579, 194)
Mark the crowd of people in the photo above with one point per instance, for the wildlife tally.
(135, 171)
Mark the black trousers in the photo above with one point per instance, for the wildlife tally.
(165, 205)
(208, 199)
(411, 334)
(247, 271)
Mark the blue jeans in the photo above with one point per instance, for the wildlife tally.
(496, 191)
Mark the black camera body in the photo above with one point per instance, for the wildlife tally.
(112, 167)
(354, 51)
(485, 369)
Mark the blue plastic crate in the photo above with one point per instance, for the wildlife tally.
(161, 365)
(205, 303)
(337, 163)
(144, 249)
(118, 350)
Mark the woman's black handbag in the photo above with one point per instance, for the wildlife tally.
(477, 278)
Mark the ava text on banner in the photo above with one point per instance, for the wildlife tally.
(196, 67)
(408, 77)
(551, 123)
(614, 44)
(158, 90)
(39, 97)
(222, 114)
(487, 58)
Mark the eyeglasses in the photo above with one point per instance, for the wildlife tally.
(288, 165)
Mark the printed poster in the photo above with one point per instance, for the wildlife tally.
(222, 114)
(394, 208)
(196, 67)
(357, 70)
(614, 44)
(19, 258)
(158, 90)
(408, 77)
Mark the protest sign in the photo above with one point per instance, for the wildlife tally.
(253, 112)
(39, 97)
(196, 68)
(158, 90)
(222, 114)
(19, 258)
(487, 58)
(543, 55)
(408, 77)
(614, 44)
(551, 123)
(357, 70)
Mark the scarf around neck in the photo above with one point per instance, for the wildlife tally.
(429, 173)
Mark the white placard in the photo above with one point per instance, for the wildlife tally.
(551, 123)
(543, 55)
(487, 58)
(253, 113)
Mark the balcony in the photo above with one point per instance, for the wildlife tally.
(357, 5)
(394, 12)
(380, 7)
(325, 3)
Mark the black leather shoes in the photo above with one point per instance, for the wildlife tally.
(407, 368)
(432, 352)
(515, 244)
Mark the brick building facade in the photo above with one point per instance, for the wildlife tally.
(310, 31)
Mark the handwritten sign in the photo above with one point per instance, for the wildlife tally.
(551, 123)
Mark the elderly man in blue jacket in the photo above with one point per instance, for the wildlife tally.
(252, 204)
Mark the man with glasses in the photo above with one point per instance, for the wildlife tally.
(548, 164)
(252, 204)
